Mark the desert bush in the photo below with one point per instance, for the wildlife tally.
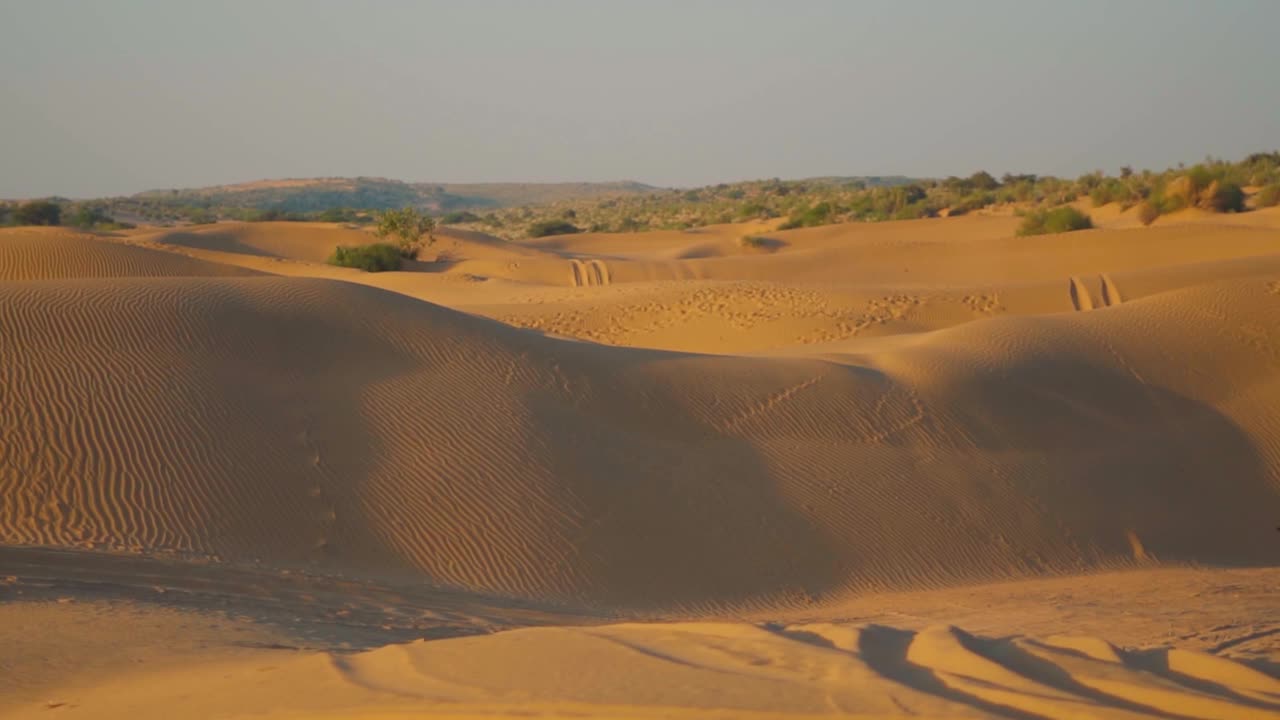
(457, 217)
(201, 216)
(1268, 196)
(755, 209)
(810, 216)
(38, 212)
(1222, 197)
(1056, 220)
(1202, 187)
(915, 211)
(340, 215)
(1111, 190)
(969, 203)
(1179, 193)
(377, 257)
(982, 181)
(272, 215)
(552, 227)
(89, 215)
(1147, 212)
(406, 228)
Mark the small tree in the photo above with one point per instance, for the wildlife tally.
(983, 181)
(406, 228)
(89, 215)
(38, 212)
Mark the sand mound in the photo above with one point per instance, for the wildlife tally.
(299, 421)
(297, 241)
(701, 670)
(54, 253)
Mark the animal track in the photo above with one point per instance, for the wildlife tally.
(984, 303)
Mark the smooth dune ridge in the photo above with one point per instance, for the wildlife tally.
(707, 670)
(299, 421)
(298, 241)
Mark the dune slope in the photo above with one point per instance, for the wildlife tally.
(52, 253)
(304, 422)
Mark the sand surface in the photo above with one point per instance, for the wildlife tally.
(801, 463)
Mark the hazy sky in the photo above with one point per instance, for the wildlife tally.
(102, 97)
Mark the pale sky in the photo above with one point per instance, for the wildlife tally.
(104, 98)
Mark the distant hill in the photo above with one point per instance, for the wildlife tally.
(364, 193)
(864, 180)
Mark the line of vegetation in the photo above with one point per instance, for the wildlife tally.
(91, 215)
(1213, 186)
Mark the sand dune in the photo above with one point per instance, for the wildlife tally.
(704, 670)
(52, 253)
(298, 241)
(760, 434)
(364, 430)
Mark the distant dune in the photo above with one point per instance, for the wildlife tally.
(55, 253)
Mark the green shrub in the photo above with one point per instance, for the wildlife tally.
(1057, 220)
(1178, 193)
(972, 202)
(982, 181)
(272, 215)
(1147, 212)
(201, 216)
(1165, 202)
(810, 216)
(552, 227)
(406, 228)
(1268, 196)
(378, 257)
(38, 212)
(1222, 197)
(86, 216)
(457, 217)
(1110, 190)
(915, 211)
(339, 215)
